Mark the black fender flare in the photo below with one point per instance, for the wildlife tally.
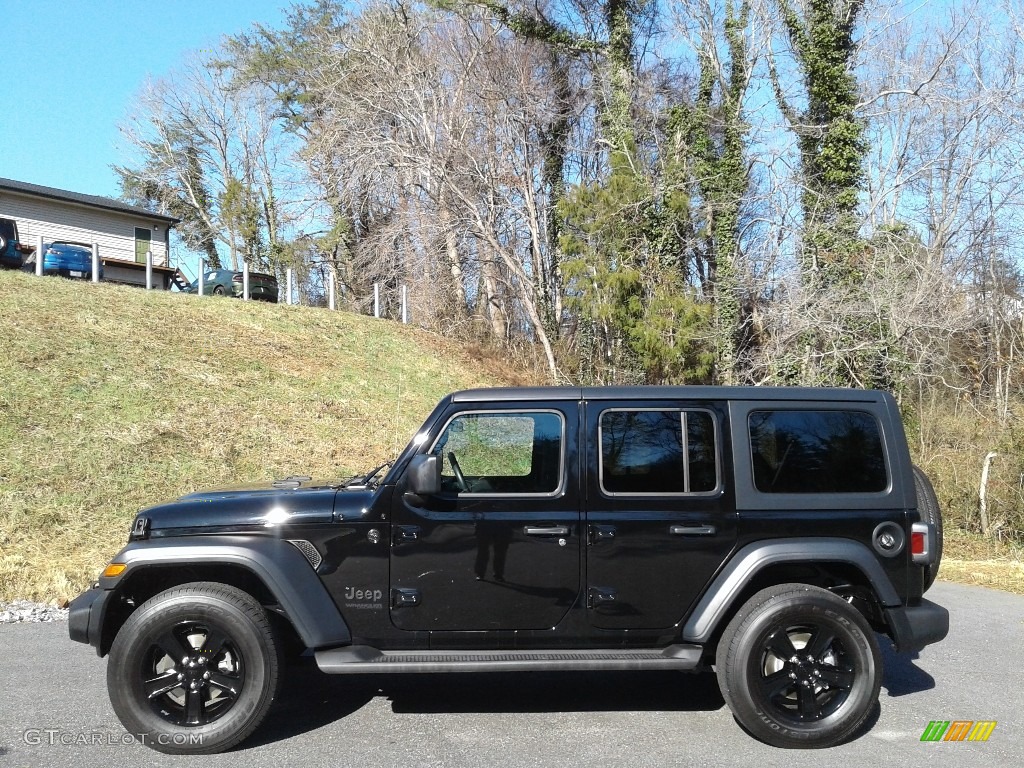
(717, 600)
(284, 571)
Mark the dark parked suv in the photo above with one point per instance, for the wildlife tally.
(767, 532)
(12, 252)
(220, 282)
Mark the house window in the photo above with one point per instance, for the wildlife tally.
(143, 243)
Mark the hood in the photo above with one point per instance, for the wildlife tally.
(280, 505)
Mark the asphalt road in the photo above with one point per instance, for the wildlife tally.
(54, 711)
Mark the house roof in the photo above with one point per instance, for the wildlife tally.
(92, 201)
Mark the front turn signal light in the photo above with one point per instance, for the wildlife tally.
(114, 569)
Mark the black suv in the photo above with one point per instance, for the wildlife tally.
(768, 532)
(12, 252)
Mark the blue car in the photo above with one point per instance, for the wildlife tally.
(68, 260)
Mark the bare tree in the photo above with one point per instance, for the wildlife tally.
(213, 152)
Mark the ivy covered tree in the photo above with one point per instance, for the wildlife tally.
(185, 197)
(707, 144)
(830, 135)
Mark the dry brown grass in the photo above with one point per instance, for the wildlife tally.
(112, 399)
(973, 559)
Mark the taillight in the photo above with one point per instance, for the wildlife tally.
(918, 543)
(921, 549)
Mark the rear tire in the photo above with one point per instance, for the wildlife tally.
(799, 667)
(928, 509)
(194, 670)
(218, 290)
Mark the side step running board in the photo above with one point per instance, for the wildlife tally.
(362, 659)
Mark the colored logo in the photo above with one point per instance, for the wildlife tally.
(958, 730)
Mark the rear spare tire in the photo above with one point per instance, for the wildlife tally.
(928, 509)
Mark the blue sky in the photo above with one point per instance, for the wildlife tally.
(71, 68)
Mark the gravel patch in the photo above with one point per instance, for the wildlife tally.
(27, 611)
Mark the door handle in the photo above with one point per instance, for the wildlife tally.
(546, 530)
(692, 530)
(406, 533)
(599, 532)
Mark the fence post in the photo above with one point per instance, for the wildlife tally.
(330, 290)
(95, 262)
(376, 300)
(39, 256)
(405, 304)
(288, 291)
(201, 285)
(983, 491)
(245, 280)
(149, 269)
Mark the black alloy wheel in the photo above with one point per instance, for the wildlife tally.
(192, 674)
(194, 669)
(799, 667)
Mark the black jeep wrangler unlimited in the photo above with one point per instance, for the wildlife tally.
(768, 532)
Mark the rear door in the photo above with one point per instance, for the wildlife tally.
(660, 517)
(499, 547)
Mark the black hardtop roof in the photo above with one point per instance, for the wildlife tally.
(821, 394)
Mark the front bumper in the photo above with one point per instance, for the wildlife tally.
(915, 627)
(85, 617)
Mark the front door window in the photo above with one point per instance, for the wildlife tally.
(502, 453)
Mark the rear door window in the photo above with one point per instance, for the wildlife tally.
(654, 451)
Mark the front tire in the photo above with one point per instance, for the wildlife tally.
(799, 667)
(194, 669)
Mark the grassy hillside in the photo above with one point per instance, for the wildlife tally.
(112, 399)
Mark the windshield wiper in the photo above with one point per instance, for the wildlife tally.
(362, 481)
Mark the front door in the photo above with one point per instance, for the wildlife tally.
(660, 517)
(143, 244)
(499, 547)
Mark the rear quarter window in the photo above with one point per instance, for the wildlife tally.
(826, 451)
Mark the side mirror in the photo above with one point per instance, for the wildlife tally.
(425, 474)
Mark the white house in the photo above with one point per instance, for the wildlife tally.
(124, 233)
